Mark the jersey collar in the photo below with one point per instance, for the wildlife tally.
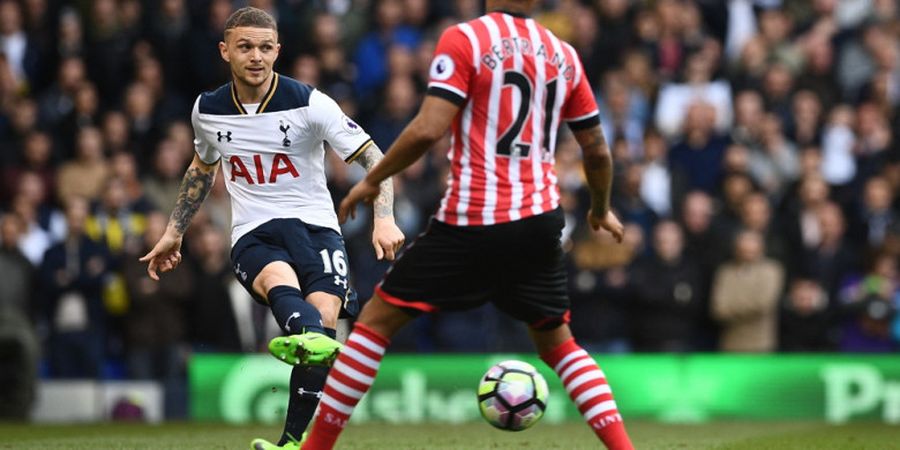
(514, 14)
(265, 101)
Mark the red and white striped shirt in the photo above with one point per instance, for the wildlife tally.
(516, 83)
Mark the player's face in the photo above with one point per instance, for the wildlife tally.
(250, 52)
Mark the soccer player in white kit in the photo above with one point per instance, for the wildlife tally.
(267, 131)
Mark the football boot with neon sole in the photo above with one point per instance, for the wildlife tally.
(308, 349)
(262, 444)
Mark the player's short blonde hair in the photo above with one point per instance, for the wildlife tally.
(249, 16)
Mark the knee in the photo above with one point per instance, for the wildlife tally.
(329, 306)
(275, 274)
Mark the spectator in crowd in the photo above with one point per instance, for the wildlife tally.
(623, 112)
(748, 116)
(666, 303)
(598, 281)
(838, 140)
(656, 181)
(155, 327)
(756, 215)
(833, 257)
(161, 185)
(372, 52)
(805, 122)
(16, 44)
(58, 100)
(400, 102)
(676, 100)
(71, 280)
(85, 175)
(870, 304)
(696, 160)
(628, 203)
(807, 319)
(774, 163)
(123, 167)
(745, 297)
(31, 188)
(35, 239)
(875, 216)
(212, 306)
(697, 215)
(116, 132)
(20, 121)
(85, 112)
(36, 157)
(19, 347)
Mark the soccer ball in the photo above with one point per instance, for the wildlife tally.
(512, 395)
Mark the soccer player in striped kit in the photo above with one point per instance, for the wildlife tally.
(503, 84)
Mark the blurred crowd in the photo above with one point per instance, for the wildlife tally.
(755, 149)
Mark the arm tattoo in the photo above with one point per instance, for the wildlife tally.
(597, 167)
(384, 203)
(596, 152)
(195, 186)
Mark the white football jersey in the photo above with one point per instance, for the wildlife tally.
(272, 153)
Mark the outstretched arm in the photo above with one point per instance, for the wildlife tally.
(195, 186)
(383, 205)
(598, 170)
(426, 128)
(386, 237)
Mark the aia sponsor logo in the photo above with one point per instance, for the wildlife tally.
(281, 166)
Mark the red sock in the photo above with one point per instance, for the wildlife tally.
(349, 379)
(586, 385)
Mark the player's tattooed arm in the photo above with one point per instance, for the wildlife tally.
(598, 168)
(383, 206)
(195, 186)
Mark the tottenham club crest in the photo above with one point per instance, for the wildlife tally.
(284, 129)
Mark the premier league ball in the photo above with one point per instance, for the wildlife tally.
(512, 395)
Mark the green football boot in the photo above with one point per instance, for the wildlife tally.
(308, 349)
(262, 444)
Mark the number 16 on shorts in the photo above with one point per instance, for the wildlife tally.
(335, 263)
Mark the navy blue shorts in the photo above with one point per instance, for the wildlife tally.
(316, 253)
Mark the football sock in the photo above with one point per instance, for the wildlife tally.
(349, 379)
(292, 313)
(306, 390)
(586, 385)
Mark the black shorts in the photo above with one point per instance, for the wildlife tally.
(316, 253)
(518, 266)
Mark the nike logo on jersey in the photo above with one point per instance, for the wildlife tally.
(226, 136)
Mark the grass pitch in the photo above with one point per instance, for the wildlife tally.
(646, 435)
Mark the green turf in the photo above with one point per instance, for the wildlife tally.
(646, 435)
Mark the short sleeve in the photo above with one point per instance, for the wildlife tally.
(580, 110)
(206, 152)
(452, 66)
(344, 135)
